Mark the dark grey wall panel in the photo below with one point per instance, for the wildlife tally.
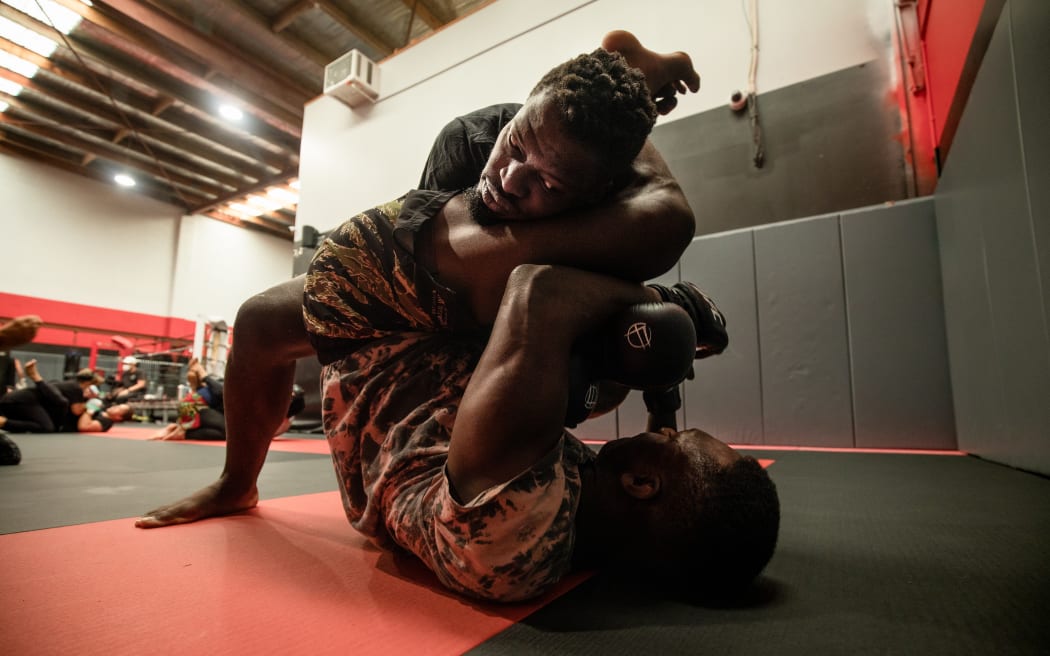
(802, 334)
(1030, 25)
(984, 193)
(899, 356)
(631, 416)
(725, 397)
(832, 143)
(976, 392)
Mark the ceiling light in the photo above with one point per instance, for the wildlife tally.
(17, 64)
(3, 106)
(241, 208)
(294, 184)
(26, 38)
(124, 180)
(231, 113)
(9, 87)
(282, 195)
(263, 203)
(48, 13)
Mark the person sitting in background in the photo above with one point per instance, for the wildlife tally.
(201, 415)
(132, 385)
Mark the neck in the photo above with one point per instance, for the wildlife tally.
(585, 553)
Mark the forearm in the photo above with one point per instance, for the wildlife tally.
(501, 429)
(86, 423)
(638, 235)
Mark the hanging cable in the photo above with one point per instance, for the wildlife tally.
(759, 156)
(127, 122)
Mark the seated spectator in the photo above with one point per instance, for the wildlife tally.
(132, 384)
(201, 415)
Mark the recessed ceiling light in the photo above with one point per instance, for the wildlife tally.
(231, 113)
(124, 180)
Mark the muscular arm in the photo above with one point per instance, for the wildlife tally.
(500, 431)
(636, 235)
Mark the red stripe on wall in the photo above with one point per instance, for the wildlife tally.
(75, 324)
(948, 28)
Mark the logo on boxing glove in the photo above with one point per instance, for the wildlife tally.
(639, 335)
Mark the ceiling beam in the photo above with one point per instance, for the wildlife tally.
(279, 107)
(251, 223)
(283, 132)
(213, 53)
(293, 42)
(129, 119)
(278, 179)
(116, 154)
(425, 12)
(290, 13)
(355, 28)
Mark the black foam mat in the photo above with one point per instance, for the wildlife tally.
(69, 479)
(878, 554)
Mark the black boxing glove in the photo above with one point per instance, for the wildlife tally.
(583, 387)
(708, 320)
(647, 346)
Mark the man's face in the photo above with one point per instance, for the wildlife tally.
(536, 169)
(670, 449)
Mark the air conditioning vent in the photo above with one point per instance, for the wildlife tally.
(352, 79)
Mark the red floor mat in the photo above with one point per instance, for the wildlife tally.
(290, 444)
(290, 577)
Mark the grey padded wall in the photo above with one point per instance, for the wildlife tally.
(725, 397)
(832, 143)
(898, 352)
(837, 334)
(802, 334)
(992, 216)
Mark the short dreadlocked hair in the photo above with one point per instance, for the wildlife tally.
(715, 536)
(605, 104)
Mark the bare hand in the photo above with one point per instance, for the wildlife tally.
(211, 501)
(20, 330)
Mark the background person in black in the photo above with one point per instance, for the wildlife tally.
(132, 385)
(40, 408)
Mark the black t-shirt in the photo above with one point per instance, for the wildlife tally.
(463, 147)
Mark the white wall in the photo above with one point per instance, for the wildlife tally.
(354, 159)
(220, 265)
(72, 239)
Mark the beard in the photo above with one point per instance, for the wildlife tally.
(479, 211)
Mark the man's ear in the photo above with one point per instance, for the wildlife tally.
(640, 485)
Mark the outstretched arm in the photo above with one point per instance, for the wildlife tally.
(259, 375)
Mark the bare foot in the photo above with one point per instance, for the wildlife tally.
(32, 373)
(666, 74)
(170, 432)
